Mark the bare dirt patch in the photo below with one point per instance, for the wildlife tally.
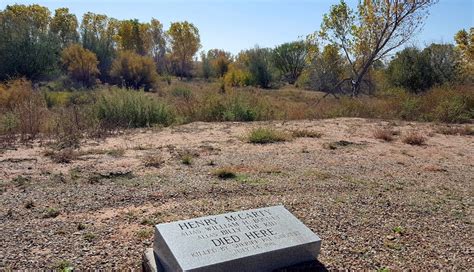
(374, 203)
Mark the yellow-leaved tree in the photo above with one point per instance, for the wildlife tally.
(185, 42)
(81, 64)
(367, 35)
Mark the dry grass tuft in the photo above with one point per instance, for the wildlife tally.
(414, 138)
(62, 156)
(153, 161)
(304, 133)
(384, 134)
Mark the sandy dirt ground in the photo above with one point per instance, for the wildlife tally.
(375, 204)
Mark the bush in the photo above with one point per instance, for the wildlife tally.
(233, 106)
(182, 92)
(134, 71)
(384, 134)
(225, 173)
(414, 138)
(237, 77)
(265, 135)
(126, 109)
(81, 64)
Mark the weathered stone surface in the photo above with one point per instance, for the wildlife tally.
(254, 240)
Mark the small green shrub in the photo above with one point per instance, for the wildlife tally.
(187, 159)
(264, 135)
(455, 109)
(225, 173)
(122, 108)
(51, 213)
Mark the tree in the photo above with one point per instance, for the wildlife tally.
(206, 68)
(220, 61)
(185, 42)
(134, 71)
(258, 62)
(64, 25)
(465, 45)
(444, 62)
(27, 47)
(327, 70)
(134, 36)
(81, 64)
(411, 69)
(375, 30)
(290, 59)
(158, 45)
(97, 33)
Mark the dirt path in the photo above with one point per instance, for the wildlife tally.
(375, 204)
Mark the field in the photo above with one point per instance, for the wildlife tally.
(381, 194)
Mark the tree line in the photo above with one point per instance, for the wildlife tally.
(348, 55)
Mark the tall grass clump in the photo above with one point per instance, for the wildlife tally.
(266, 135)
(131, 109)
(234, 106)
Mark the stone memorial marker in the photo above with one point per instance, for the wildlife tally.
(254, 240)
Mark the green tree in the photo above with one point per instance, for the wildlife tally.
(206, 68)
(290, 59)
(373, 31)
(444, 62)
(81, 64)
(411, 69)
(97, 33)
(64, 25)
(258, 62)
(27, 47)
(327, 70)
(185, 42)
(132, 70)
(158, 44)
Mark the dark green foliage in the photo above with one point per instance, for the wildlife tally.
(290, 60)
(259, 63)
(418, 71)
(326, 70)
(27, 47)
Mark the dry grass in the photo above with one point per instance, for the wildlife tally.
(66, 155)
(153, 161)
(384, 134)
(304, 133)
(450, 130)
(414, 138)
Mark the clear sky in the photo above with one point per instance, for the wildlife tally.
(234, 25)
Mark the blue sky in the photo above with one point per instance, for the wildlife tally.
(234, 25)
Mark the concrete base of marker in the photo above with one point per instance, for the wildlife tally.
(150, 263)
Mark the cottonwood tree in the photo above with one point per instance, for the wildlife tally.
(291, 59)
(326, 70)
(185, 41)
(27, 47)
(465, 45)
(370, 33)
(64, 25)
(97, 33)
